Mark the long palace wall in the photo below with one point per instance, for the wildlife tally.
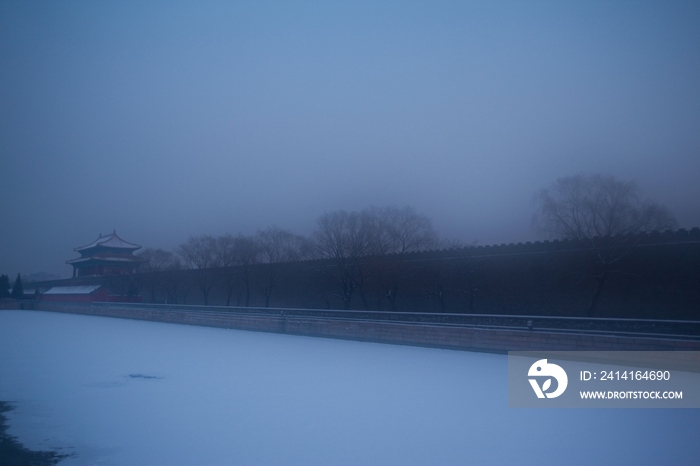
(658, 277)
(439, 336)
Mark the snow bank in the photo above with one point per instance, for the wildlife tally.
(121, 392)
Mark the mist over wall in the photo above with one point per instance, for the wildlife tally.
(170, 119)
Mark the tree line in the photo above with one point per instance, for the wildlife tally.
(17, 288)
(341, 237)
(364, 252)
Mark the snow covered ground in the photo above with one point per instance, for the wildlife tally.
(121, 392)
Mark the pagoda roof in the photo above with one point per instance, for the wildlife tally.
(110, 241)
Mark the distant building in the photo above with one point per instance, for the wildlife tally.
(108, 255)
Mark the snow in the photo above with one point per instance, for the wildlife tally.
(110, 241)
(122, 392)
(80, 289)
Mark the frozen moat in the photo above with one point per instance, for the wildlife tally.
(122, 392)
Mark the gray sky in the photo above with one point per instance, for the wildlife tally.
(177, 118)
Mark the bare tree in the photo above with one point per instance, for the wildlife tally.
(233, 257)
(396, 231)
(157, 263)
(344, 238)
(226, 250)
(401, 230)
(201, 253)
(158, 260)
(605, 214)
(276, 247)
(357, 243)
(246, 253)
(227, 259)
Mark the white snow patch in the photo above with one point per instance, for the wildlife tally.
(80, 289)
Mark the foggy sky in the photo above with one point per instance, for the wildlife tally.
(180, 118)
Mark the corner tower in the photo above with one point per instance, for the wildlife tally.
(108, 255)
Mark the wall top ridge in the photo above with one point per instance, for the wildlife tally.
(563, 244)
